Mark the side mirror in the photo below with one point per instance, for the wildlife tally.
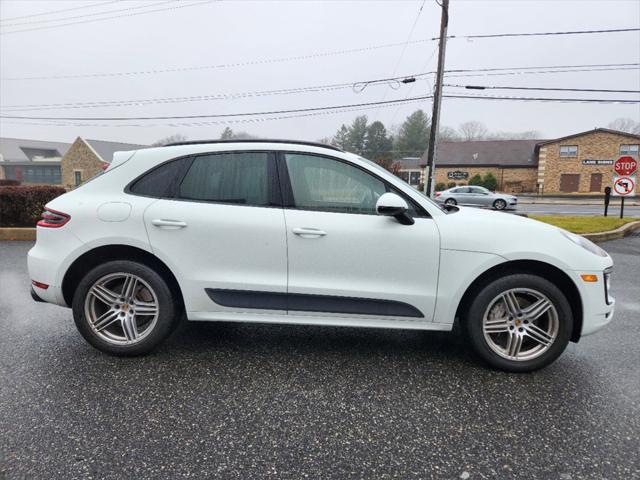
(392, 205)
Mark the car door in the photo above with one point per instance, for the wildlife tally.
(478, 196)
(461, 194)
(346, 261)
(222, 234)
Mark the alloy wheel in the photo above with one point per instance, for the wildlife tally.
(500, 204)
(520, 324)
(121, 308)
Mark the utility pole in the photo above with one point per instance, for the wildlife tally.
(437, 98)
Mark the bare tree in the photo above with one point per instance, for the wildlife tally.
(170, 139)
(473, 130)
(448, 134)
(527, 135)
(625, 125)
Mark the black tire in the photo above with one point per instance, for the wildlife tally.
(473, 321)
(450, 201)
(500, 204)
(169, 311)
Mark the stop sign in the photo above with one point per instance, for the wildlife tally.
(625, 166)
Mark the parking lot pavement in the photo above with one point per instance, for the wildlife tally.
(259, 401)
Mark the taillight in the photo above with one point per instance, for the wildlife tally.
(438, 194)
(53, 219)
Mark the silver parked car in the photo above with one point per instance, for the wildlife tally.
(477, 197)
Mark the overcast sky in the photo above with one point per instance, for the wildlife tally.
(204, 34)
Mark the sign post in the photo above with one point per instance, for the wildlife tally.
(625, 180)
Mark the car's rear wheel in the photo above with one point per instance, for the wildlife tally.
(124, 308)
(450, 201)
(499, 204)
(519, 323)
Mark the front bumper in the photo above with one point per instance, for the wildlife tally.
(597, 304)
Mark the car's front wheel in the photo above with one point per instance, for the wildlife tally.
(124, 308)
(519, 322)
(499, 204)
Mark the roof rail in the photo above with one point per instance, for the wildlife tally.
(257, 140)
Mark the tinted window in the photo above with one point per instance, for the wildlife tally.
(462, 190)
(160, 182)
(319, 183)
(239, 178)
(477, 190)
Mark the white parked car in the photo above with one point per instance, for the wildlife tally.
(301, 233)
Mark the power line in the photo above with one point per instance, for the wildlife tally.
(541, 34)
(260, 61)
(214, 122)
(404, 49)
(109, 18)
(317, 109)
(221, 96)
(285, 91)
(551, 89)
(222, 115)
(53, 12)
(549, 99)
(48, 20)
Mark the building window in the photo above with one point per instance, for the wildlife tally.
(414, 178)
(77, 176)
(569, 151)
(628, 149)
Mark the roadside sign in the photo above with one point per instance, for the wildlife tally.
(624, 186)
(625, 166)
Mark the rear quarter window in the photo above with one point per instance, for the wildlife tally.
(161, 181)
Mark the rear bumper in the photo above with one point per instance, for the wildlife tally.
(35, 296)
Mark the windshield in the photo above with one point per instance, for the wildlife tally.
(432, 202)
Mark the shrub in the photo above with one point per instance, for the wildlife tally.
(475, 180)
(451, 184)
(490, 182)
(21, 206)
(9, 183)
(440, 186)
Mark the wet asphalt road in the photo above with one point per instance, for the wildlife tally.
(254, 401)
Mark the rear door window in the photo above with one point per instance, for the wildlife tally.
(240, 178)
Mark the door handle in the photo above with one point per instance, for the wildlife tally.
(168, 224)
(309, 232)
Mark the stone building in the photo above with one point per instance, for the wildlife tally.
(583, 162)
(56, 163)
(87, 158)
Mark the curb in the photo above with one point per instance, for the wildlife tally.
(613, 234)
(16, 233)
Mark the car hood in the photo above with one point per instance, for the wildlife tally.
(514, 237)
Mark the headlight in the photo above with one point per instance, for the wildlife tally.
(584, 243)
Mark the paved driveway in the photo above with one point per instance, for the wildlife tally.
(253, 401)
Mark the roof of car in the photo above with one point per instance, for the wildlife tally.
(257, 140)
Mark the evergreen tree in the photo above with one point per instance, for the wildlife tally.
(227, 134)
(357, 134)
(378, 145)
(413, 137)
(341, 138)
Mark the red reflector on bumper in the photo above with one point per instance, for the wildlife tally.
(41, 285)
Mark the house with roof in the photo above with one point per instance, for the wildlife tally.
(86, 158)
(56, 163)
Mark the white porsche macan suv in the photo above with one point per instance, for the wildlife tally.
(293, 232)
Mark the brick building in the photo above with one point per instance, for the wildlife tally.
(578, 163)
(582, 162)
